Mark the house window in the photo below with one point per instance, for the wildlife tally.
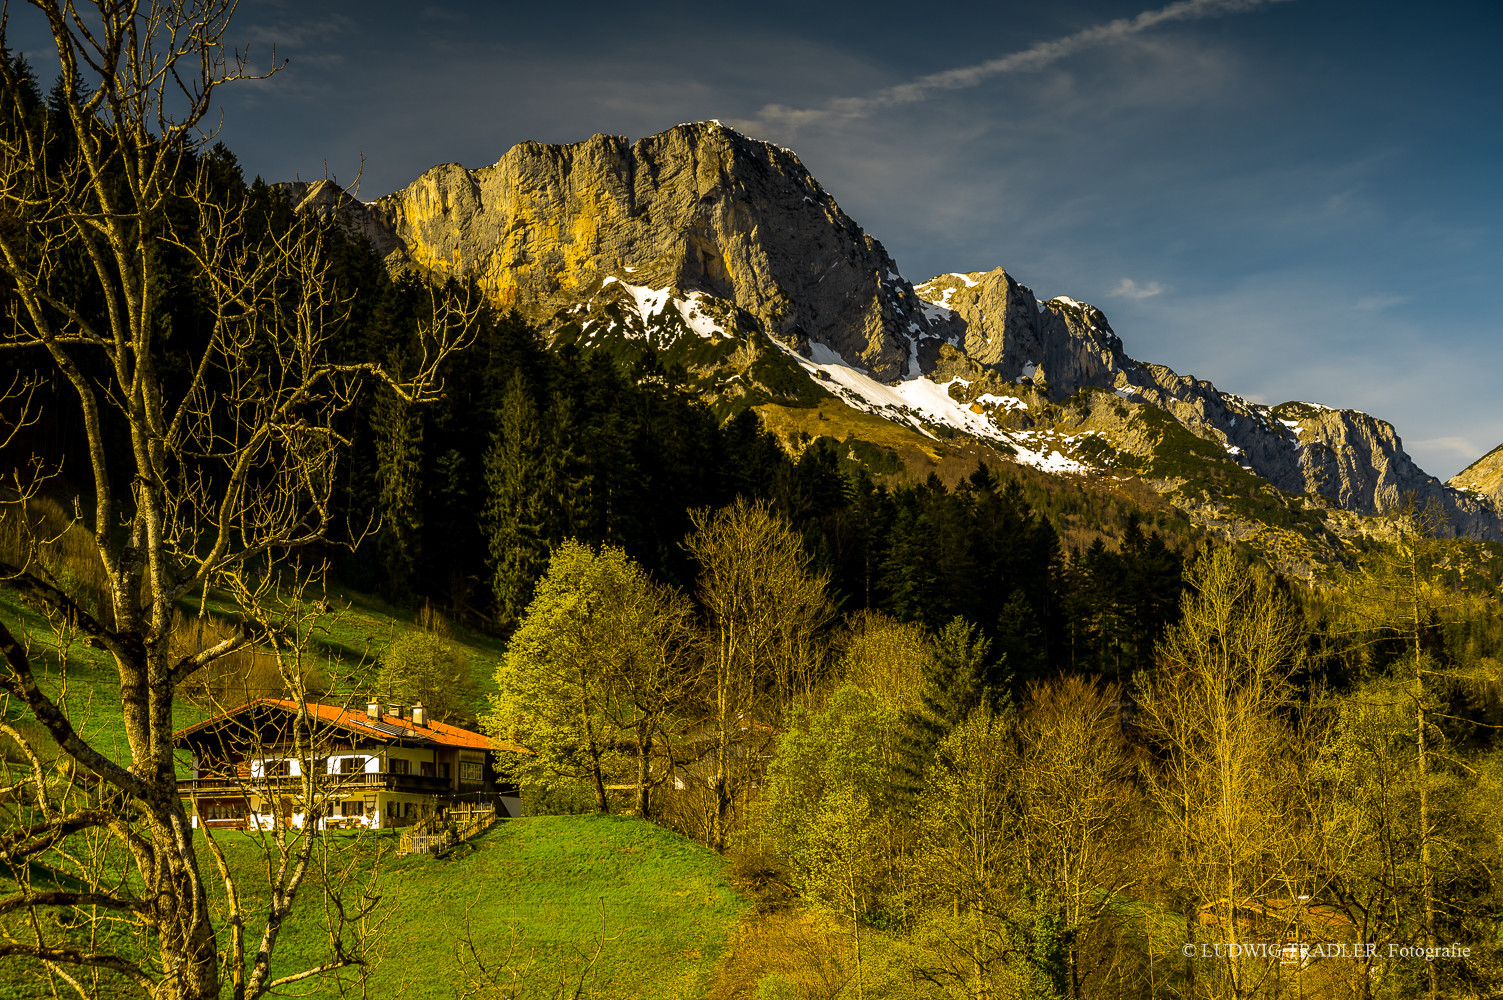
(443, 770)
(351, 765)
(470, 770)
(425, 768)
(276, 768)
(400, 765)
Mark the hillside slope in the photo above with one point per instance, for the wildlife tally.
(623, 906)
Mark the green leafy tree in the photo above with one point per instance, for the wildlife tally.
(1398, 596)
(429, 668)
(961, 859)
(590, 674)
(1026, 840)
(889, 659)
(1365, 826)
(956, 682)
(828, 787)
(1076, 823)
(1215, 712)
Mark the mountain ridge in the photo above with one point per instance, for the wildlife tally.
(699, 240)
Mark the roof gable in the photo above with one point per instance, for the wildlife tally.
(387, 729)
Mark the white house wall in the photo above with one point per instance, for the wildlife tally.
(294, 766)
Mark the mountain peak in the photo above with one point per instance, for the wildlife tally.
(700, 242)
(698, 207)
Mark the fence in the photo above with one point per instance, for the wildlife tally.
(455, 827)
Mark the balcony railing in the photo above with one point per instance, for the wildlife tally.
(362, 781)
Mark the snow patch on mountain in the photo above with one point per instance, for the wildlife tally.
(651, 302)
(922, 404)
(692, 310)
(935, 300)
(1008, 403)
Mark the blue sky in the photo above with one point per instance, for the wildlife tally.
(1296, 199)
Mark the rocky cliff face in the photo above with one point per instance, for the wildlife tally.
(1061, 343)
(699, 208)
(1060, 346)
(328, 199)
(699, 239)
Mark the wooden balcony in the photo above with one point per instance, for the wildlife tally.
(364, 781)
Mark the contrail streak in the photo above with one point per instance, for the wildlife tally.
(1033, 58)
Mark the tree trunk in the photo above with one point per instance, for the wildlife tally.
(1234, 961)
(722, 819)
(186, 939)
(644, 769)
(1427, 877)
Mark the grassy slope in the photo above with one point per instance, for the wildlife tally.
(554, 888)
(82, 679)
(536, 894)
(955, 459)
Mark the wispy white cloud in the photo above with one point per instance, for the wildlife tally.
(1377, 303)
(1461, 450)
(1035, 57)
(1130, 289)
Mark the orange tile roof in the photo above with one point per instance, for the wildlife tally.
(349, 718)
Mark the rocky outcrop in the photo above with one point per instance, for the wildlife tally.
(328, 199)
(1062, 344)
(698, 208)
(1483, 477)
(1352, 459)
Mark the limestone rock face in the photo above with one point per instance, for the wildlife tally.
(1359, 462)
(698, 208)
(1062, 344)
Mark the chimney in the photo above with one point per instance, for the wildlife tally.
(373, 709)
(419, 715)
(394, 708)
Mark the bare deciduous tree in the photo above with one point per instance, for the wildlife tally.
(766, 614)
(1077, 807)
(1213, 711)
(207, 459)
